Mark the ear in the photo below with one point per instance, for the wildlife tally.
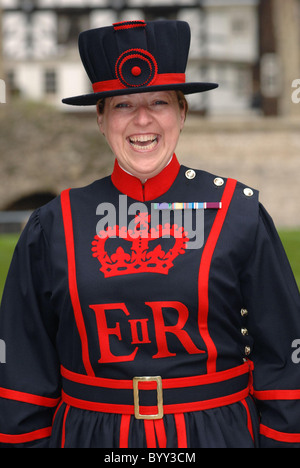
(182, 118)
(100, 121)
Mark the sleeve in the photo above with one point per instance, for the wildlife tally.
(272, 300)
(29, 377)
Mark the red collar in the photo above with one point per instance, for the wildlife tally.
(152, 189)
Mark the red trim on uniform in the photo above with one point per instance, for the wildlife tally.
(160, 433)
(124, 430)
(57, 410)
(181, 430)
(150, 433)
(28, 398)
(63, 434)
(277, 395)
(180, 382)
(129, 24)
(279, 436)
(153, 188)
(149, 410)
(69, 235)
(161, 79)
(249, 420)
(27, 437)
(155, 430)
(203, 281)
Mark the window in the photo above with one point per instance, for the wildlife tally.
(239, 25)
(50, 82)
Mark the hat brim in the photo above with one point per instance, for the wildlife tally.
(93, 98)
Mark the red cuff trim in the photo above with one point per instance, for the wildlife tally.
(29, 398)
(277, 395)
(279, 436)
(28, 437)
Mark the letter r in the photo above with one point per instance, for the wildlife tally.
(161, 329)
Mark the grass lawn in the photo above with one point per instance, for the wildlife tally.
(290, 239)
(291, 242)
(7, 245)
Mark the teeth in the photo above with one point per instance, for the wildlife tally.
(143, 138)
(145, 142)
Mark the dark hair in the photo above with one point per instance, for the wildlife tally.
(183, 104)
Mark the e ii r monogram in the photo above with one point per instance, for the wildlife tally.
(140, 330)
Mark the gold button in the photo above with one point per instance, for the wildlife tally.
(190, 174)
(219, 181)
(244, 331)
(247, 350)
(248, 192)
(244, 312)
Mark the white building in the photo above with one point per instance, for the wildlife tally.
(42, 61)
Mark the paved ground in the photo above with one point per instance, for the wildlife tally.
(264, 154)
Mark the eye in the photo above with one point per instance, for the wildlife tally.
(122, 105)
(160, 102)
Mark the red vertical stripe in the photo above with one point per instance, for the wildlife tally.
(56, 411)
(203, 281)
(160, 433)
(69, 235)
(181, 430)
(249, 420)
(124, 430)
(63, 436)
(150, 433)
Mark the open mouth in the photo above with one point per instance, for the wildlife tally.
(143, 142)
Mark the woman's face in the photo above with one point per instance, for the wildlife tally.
(142, 130)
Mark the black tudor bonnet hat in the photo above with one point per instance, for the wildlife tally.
(134, 57)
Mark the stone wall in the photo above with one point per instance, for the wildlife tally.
(262, 153)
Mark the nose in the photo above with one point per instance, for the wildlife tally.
(143, 115)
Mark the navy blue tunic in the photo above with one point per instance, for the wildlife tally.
(82, 311)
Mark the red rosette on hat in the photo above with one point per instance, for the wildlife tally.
(136, 67)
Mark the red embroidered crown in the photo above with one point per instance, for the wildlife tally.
(141, 260)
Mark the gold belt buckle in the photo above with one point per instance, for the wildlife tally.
(136, 398)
